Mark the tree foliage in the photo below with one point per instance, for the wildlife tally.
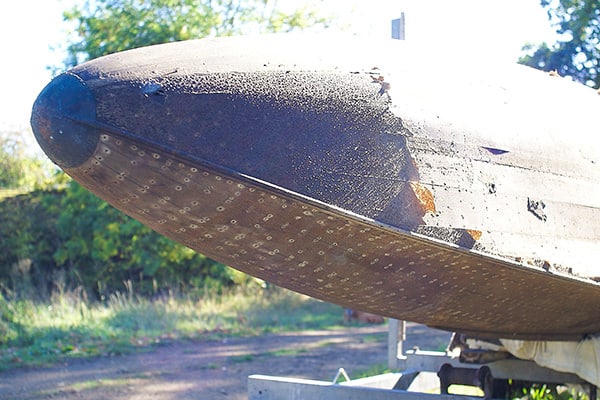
(107, 26)
(107, 248)
(20, 169)
(28, 241)
(577, 52)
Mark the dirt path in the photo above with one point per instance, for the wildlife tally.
(213, 369)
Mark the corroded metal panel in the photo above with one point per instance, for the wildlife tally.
(330, 178)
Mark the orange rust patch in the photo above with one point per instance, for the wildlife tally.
(424, 196)
(475, 234)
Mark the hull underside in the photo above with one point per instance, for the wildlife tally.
(330, 254)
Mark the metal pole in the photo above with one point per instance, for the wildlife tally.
(393, 326)
(396, 339)
(398, 26)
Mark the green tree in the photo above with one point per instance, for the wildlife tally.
(28, 240)
(107, 26)
(20, 169)
(577, 51)
(11, 173)
(100, 248)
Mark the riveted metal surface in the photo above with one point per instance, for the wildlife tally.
(324, 252)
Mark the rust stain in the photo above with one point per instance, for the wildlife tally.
(424, 196)
(475, 234)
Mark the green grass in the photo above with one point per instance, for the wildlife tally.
(80, 387)
(33, 333)
(377, 369)
(544, 392)
(286, 352)
(242, 358)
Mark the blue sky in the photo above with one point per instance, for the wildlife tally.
(495, 29)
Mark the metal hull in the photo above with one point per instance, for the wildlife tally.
(326, 180)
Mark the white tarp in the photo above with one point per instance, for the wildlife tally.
(581, 358)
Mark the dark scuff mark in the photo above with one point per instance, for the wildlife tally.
(536, 207)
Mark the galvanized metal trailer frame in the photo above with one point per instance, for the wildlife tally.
(421, 371)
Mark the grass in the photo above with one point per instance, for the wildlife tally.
(377, 369)
(80, 387)
(544, 392)
(286, 352)
(242, 358)
(34, 333)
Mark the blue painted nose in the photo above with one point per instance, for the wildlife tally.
(63, 119)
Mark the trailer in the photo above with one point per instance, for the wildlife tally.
(422, 375)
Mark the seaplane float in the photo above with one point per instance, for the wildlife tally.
(374, 175)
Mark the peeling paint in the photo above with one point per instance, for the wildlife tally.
(424, 196)
(475, 234)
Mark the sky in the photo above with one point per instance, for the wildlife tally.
(32, 34)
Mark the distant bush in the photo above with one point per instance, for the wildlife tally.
(66, 238)
(29, 239)
(19, 168)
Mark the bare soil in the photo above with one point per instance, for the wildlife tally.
(214, 369)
